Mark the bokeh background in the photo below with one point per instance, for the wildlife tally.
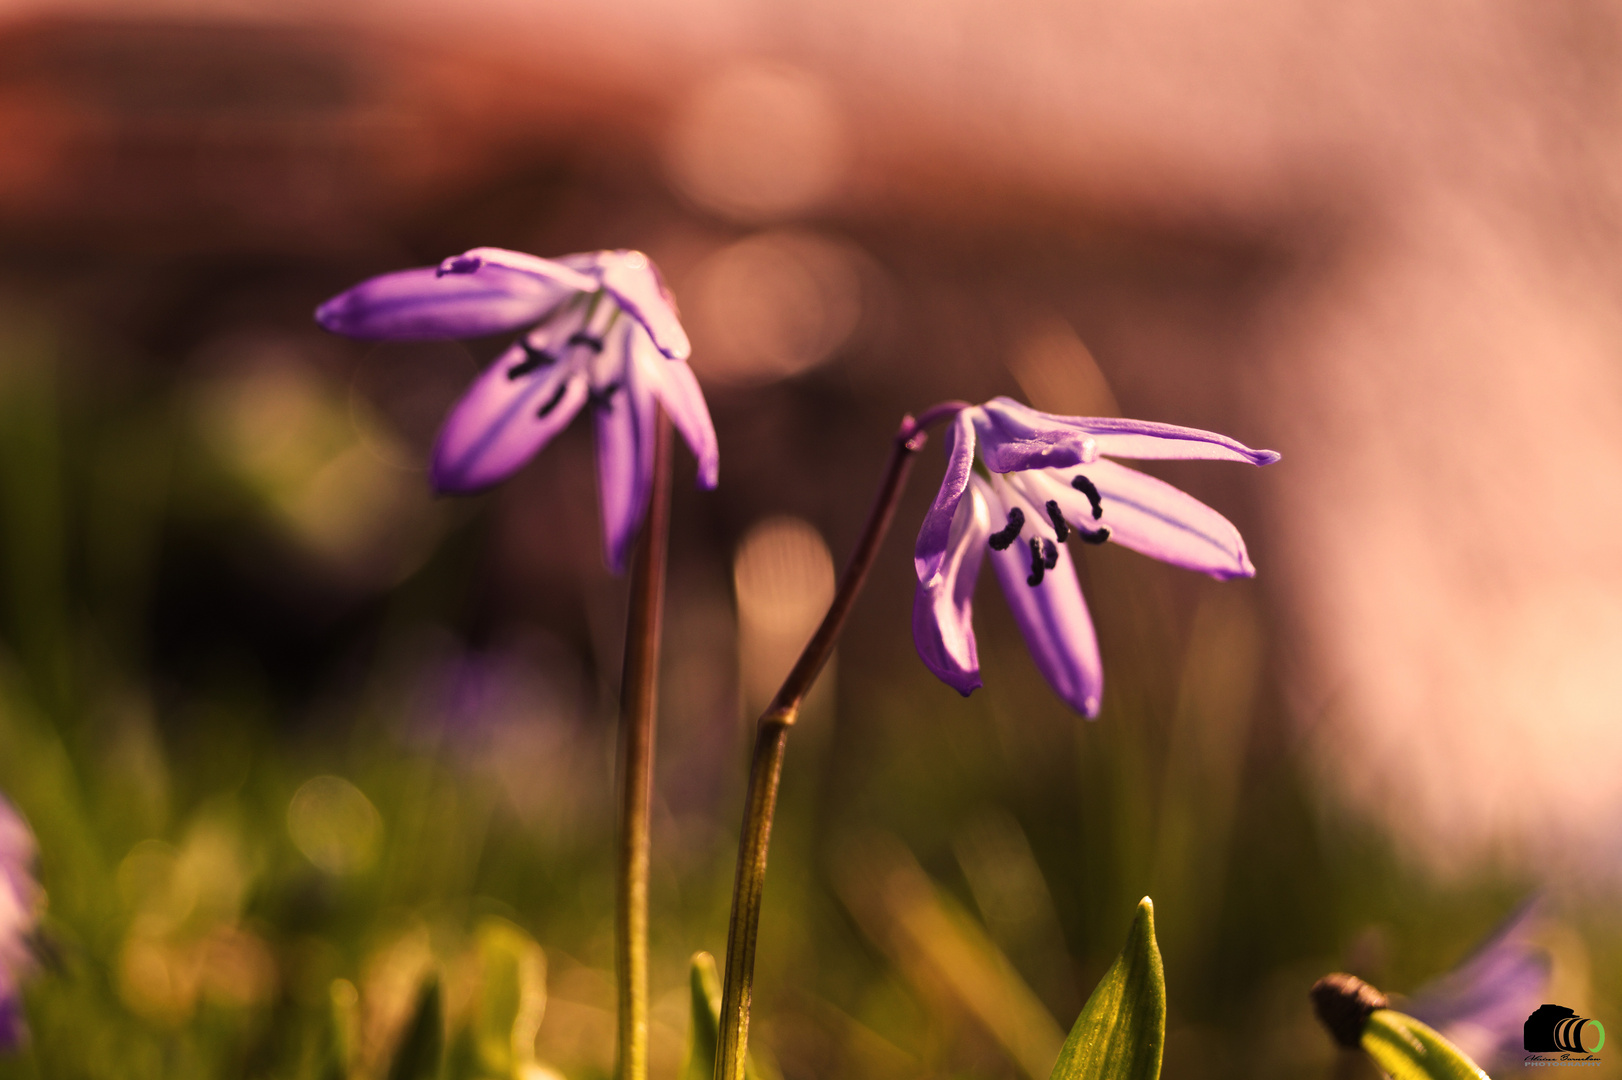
(290, 731)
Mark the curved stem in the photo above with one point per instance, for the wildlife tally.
(639, 694)
(766, 765)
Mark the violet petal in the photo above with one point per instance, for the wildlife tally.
(1053, 618)
(677, 389)
(502, 421)
(481, 260)
(624, 428)
(930, 551)
(632, 279)
(420, 304)
(1036, 439)
(1149, 516)
(942, 629)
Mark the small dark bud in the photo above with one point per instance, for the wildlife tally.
(1343, 1004)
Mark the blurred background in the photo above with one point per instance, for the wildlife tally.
(291, 733)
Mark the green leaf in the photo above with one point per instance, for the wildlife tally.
(704, 982)
(1122, 1029)
(1409, 1050)
(417, 1056)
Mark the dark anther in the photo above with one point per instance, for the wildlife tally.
(1096, 537)
(1038, 565)
(1085, 486)
(1060, 525)
(1343, 1004)
(534, 359)
(1016, 522)
(551, 402)
(604, 398)
(462, 264)
(1050, 554)
(580, 337)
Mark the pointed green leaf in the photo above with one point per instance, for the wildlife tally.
(1122, 1029)
(1409, 1050)
(705, 984)
(421, 1043)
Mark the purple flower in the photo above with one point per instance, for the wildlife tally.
(19, 910)
(602, 331)
(1041, 479)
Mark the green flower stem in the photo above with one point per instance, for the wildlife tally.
(639, 696)
(766, 768)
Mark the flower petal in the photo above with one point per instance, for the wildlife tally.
(1147, 515)
(482, 260)
(635, 282)
(937, 526)
(625, 444)
(503, 420)
(941, 613)
(677, 389)
(1015, 436)
(1053, 618)
(422, 304)
(1028, 438)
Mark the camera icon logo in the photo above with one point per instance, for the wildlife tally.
(1557, 1029)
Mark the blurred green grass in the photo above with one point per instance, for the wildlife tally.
(274, 744)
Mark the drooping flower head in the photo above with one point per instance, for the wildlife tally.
(600, 331)
(1019, 484)
(19, 910)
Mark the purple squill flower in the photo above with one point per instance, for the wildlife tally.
(1043, 477)
(601, 331)
(19, 910)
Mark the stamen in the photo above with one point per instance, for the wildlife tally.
(552, 402)
(604, 398)
(1050, 554)
(1038, 565)
(1093, 537)
(1016, 522)
(580, 337)
(534, 359)
(1085, 486)
(1060, 525)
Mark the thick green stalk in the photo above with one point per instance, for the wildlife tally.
(639, 696)
(766, 768)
